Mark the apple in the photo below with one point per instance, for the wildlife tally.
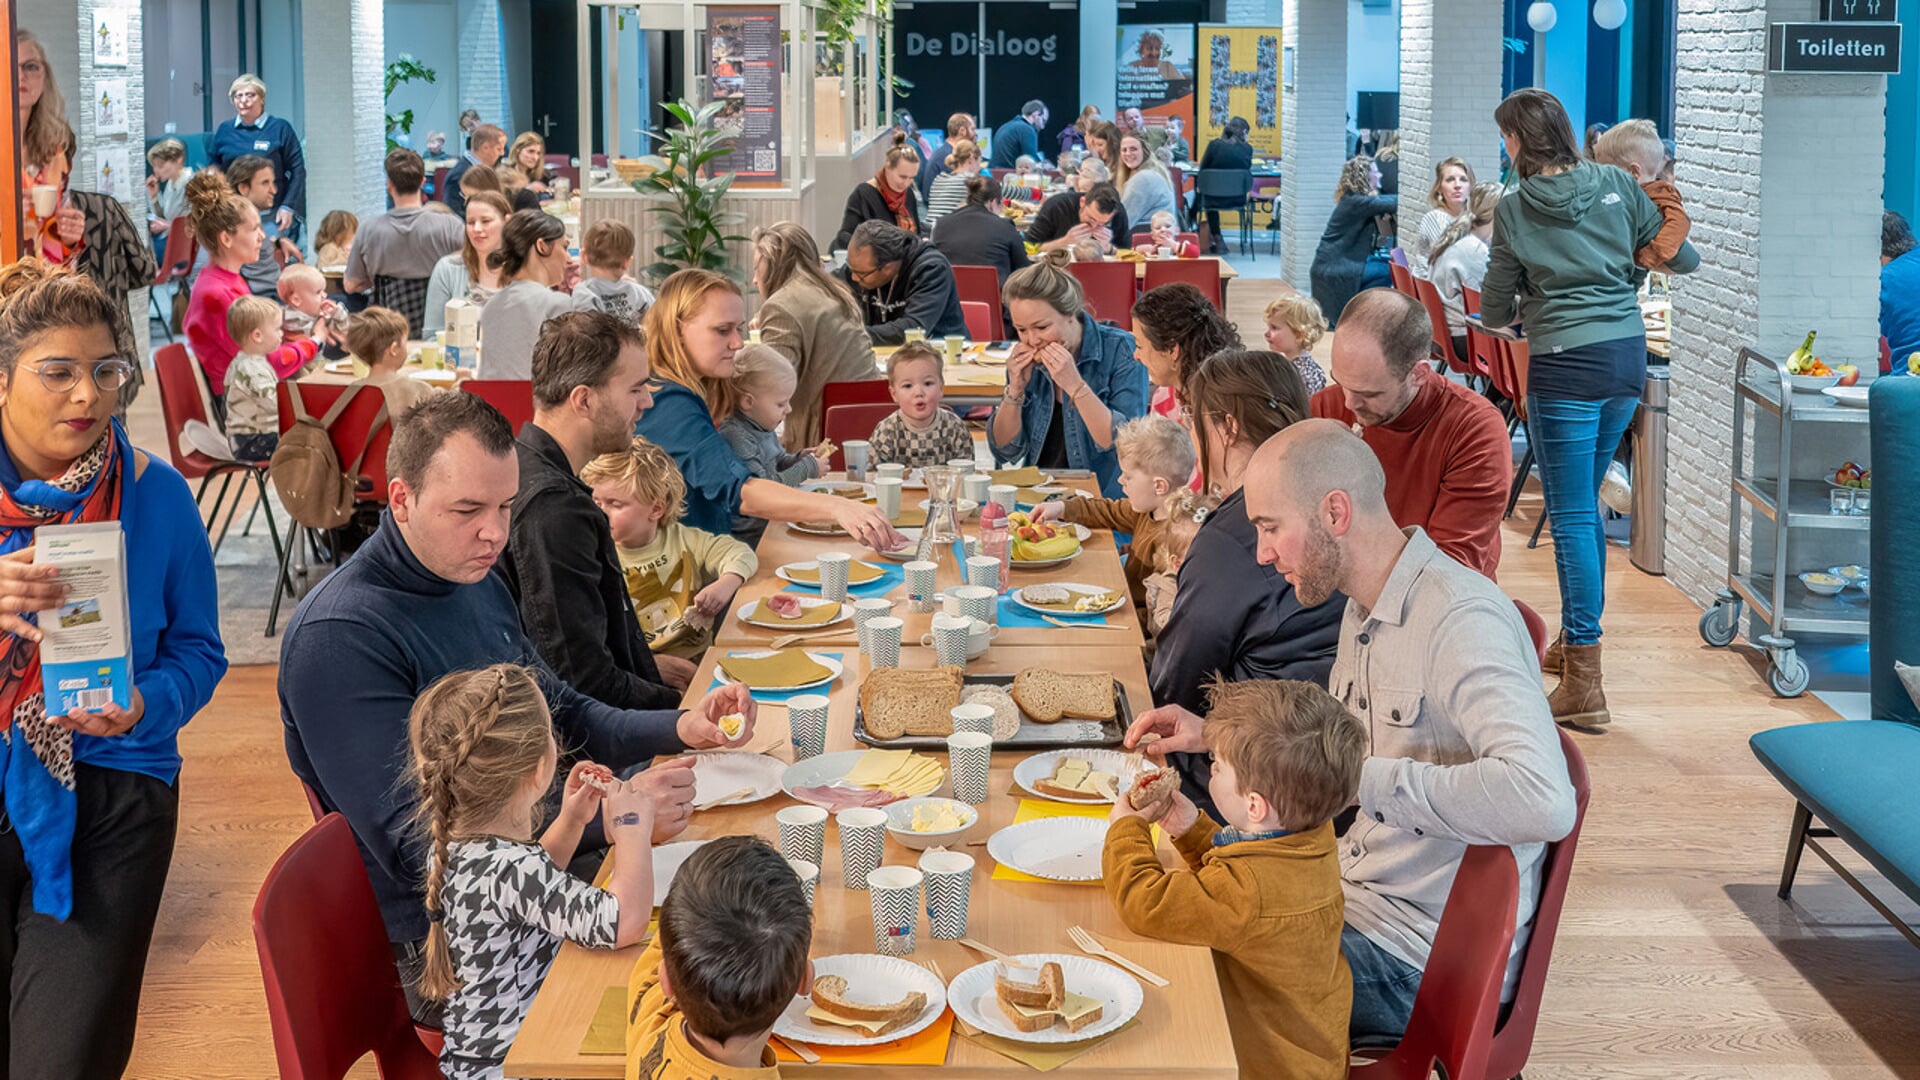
(1913, 364)
(1848, 374)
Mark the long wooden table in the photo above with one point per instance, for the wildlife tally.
(1182, 1030)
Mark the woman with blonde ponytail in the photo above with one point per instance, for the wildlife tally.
(498, 903)
(228, 227)
(1460, 259)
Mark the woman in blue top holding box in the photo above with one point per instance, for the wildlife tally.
(89, 796)
(1071, 382)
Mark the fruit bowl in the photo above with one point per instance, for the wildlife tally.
(1812, 384)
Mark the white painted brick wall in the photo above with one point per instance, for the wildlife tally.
(345, 140)
(1449, 85)
(1313, 124)
(1782, 177)
(1253, 13)
(482, 65)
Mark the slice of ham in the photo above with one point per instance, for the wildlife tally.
(785, 605)
(838, 797)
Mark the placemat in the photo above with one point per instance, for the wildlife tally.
(1046, 1057)
(858, 573)
(782, 696)
(1026, 476)
(892, 576)
(607, 1032)
(925, 1047)
(1013, 614)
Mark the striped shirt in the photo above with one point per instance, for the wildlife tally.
(948, 193)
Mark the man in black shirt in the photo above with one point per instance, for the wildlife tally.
(589, 386)
(1069, 217)
(901, 281)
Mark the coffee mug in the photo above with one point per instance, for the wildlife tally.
(46, 199)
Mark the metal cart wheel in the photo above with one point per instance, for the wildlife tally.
(1720, 623)
(1789, 676)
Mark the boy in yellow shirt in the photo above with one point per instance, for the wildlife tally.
(680, 578)
(731, 953)
(1264, 892)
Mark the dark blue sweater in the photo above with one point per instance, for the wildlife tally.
(274, 139)
(361, 647)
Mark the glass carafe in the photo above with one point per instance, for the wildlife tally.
(943, 518)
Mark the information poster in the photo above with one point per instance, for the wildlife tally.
(743, 71)
(1240, 76)
(1155, 73)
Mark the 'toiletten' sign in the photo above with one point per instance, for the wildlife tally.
(1856, 48)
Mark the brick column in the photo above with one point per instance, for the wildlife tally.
(1449, 84)
(1782, 176)
(1313, 128)
(343, 54)
(482, 74)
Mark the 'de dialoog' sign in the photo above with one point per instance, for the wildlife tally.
(998, 43)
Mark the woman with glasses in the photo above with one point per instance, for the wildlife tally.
(252, 131)
(90, 796)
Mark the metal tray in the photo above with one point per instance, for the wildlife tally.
(1032, 736)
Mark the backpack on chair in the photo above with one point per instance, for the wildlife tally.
(306, 471)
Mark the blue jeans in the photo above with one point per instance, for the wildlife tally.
(1383, 989)
(1574, 441)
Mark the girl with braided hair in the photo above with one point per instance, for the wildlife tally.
(482, 758)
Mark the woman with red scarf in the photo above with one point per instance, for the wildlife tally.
(891, 196)
(90, 798)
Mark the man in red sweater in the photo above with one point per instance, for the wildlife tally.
(1445, 448)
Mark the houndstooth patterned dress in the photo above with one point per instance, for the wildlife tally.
(507, 908)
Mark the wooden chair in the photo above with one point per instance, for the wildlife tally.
(175, 262)
(360, 447)
(980, 326)
(1429, 298)
(1110, 289)
(981, 285)
(333, 994)
(1458, 1002)
(513, 397)
(843, 422)
(181, 401)
(1202, 274)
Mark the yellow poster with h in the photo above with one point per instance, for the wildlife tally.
(1240, 76)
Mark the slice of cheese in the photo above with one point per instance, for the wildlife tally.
(822, 1016)
(901, 772)
(876, 766)
(1072, 1007)
(936, 817)
(1071, 773)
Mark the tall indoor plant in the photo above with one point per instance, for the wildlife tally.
(690, 204)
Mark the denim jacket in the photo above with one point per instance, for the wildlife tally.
(1107, 363)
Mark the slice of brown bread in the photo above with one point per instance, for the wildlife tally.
(1047, 993)
(1153, 787)
(1049, 696)
(898, 701)
(830, 994)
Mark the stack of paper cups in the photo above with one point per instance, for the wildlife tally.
(833, 575)
(863, 835)
(803, 833)
(894, 892)
(807, 721)
(920, 586)
(969, 760)
(949, 883)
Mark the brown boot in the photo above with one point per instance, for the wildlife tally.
(1551, 663)
(1579, 699)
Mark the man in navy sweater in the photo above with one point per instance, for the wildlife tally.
(417, 601)
(1020, 135)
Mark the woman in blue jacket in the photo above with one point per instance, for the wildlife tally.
(1071, 382)
(252, 131)
(694, 328)
(90, 797)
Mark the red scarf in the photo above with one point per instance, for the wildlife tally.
(896, 202)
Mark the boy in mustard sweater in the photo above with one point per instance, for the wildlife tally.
(730, 955)
(681, 578)
(1263, 892)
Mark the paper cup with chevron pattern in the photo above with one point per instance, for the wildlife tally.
(833, 575)
(883, 641)
(894, 892)
(807, 724)
(950, 639)
(863, 836)
(969, 760)
(972, 718)
(921, 586)
(865, 611)
(949, 881)
(984, 571)
(980, 601)
(809, 873)
(803, 833)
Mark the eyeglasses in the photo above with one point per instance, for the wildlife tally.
(61, 376)
(246, 95)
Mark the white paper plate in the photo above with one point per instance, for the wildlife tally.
(666, 863)
(717, 773)
(907, 551)
(973, 1000)
(339, 367)
(1855, 396)
(816, 528)
(1119, 597)
(777, 623)
(1030, 771)
(810, 564)
(823, 770)
(834, 669)
(1059, 848)
(870, 978)
(834, 487)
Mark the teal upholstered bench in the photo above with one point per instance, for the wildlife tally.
(1857, 780)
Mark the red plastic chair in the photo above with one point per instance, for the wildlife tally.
(1536, 628)
(1514, 1041)
(856, 392)
(1429, 297)
(353, 438)
(1480, 345)
(175, 262)
(1110, 289)
(1459, 997)
(180, 401)
(513, 397)
(981, 284)
(440, 184)
(333, 995)
(1202, 274)
(843, 422)
(1402, 275)
(1886, 356)
(979, 321)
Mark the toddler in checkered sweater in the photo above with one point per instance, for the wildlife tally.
(920, 432)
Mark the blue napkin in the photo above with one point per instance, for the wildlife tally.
(893, 575)
(1013, 614)
(774, 696)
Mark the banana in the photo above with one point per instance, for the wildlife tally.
(1056, 548)
(1801, 356)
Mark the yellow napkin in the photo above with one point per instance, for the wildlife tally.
(607, 1032)
(910, 517)
(1067, 605)
(1026, 476)
(1029, 495)
(1033, 810)
(783, 670)
(817, 615)
(858, 573)
(1046, 1057)
(927, 1047)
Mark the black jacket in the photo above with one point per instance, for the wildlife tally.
(1225, 154)
(1340, 262)
(865, 203)
(565, 575)
(922, 294)
(1236, 619)
(1059, 214)
(452, 196)
(976, 236)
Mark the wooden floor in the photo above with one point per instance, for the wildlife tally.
(1675, 959)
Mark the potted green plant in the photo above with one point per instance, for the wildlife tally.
(690, 204)
(401, 70)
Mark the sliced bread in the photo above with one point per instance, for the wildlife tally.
(1153, 787)
(1019, 1000)
(830, 994)
(1049, 696)
(897, 701)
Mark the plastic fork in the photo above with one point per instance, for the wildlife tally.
(985, 949)
(800, 1050)
(1080, 625)
(1087, 943)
